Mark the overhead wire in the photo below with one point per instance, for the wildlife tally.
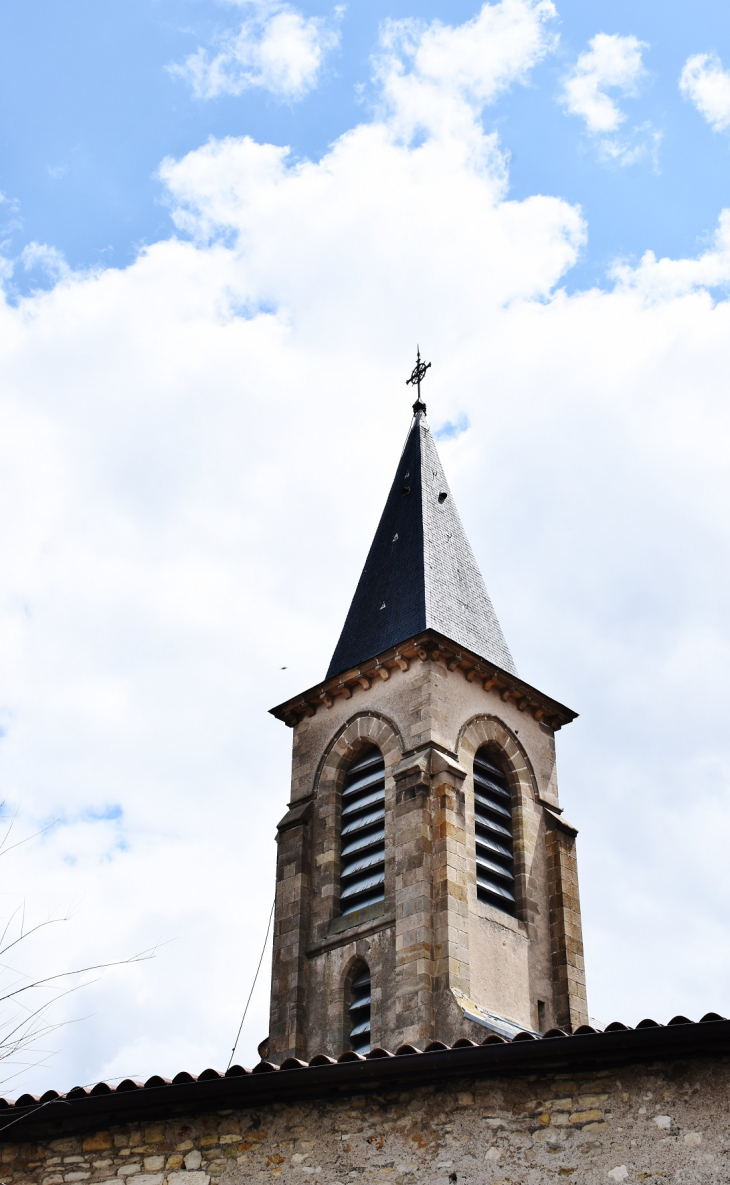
(253, 985)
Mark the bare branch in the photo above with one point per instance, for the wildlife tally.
(27, 933)
(11, 824)
(24, 1017)
(8, 925)
(142, 957)
(4, 851)
(38, 1108)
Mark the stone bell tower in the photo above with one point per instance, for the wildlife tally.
(426, 881)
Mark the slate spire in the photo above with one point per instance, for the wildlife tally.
(420, 572)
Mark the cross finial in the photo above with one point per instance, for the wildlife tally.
(418, 373)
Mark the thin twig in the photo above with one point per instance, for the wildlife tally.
(23, 1021)
(143, 957)
(29, 1113)
(27, 933)
(4, 851)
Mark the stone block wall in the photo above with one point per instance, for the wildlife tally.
(566, 935)
(431, 936)
(662, 1122)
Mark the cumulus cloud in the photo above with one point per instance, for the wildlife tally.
(706, 84)
(640, 143)
(438, 75)
(657, 279)
(611, 67)
(612, 63)
(194, 454)
(275, 48)
(49, 260)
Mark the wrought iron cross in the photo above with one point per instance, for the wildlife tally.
(418, 373)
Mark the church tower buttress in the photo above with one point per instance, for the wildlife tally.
(426, 881)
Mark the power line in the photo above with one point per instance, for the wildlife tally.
(253, 985)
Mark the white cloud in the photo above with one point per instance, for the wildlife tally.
(48, 260)
(276, 48)
(706, 84)
(658, 279)
(641, 143)
(613, 63)
(439, 76)
(194, 453)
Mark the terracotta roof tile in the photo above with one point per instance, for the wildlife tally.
(82, 1108)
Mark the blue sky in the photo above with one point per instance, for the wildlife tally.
(88, 110)
(203, 348)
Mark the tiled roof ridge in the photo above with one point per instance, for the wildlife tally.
(28, 1103)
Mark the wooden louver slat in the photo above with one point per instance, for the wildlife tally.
(493, 834)
(360, 1013)
(362, 833)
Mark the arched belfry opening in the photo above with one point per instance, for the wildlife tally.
(362, 832)
(358, 1008)
(452, 882)
(493, 831)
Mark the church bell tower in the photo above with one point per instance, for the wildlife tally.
(426, 881)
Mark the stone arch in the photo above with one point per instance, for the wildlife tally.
(360, 731)
(366, 728)
(350, 970)
(488, 730)
(356, 968)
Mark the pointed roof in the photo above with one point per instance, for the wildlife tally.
(420, 572)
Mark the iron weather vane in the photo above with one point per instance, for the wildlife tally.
(417, 374)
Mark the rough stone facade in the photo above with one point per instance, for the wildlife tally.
(433, 948)
(661, 1122)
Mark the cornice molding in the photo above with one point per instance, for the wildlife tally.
(428, 646)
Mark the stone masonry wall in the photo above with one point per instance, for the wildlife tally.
(432, 933)
(566, 935)
(667, 1122)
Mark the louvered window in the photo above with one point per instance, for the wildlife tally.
(362, 855)
(359, 1011)
(493, 828)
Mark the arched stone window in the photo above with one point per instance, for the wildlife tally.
(358, 1010)
(493, 832)
(362, 832)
